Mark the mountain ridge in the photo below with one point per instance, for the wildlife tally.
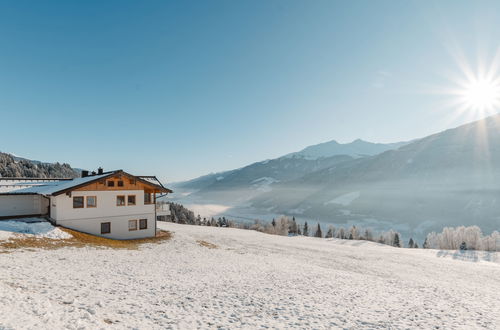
(444, 179)
(356, 148)
(317, 156)
(15, 166)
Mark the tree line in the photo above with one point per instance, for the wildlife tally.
(463, 238)
(286, 226)
(11, 167)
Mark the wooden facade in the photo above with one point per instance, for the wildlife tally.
(121, 181)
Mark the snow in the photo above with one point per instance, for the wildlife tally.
(31, 227)
(219, 178)
(47, 187)
(345, 199)
(251, 280)
(263, 184)
(265, 180)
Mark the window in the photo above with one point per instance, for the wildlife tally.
(143, 223)
(131, 200)
(78, 202)
(132, 181)
(111, 183)
(120, 200)
(91, 201)
(132, 225)
(120, 183)
(105, 227)
(147, 198)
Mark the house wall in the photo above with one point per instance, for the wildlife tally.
(19, 205)
(89, 220)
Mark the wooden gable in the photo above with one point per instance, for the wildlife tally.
(120, 181)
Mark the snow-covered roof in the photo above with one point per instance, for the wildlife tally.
(151, 179)
(20, 186)
(28, 186)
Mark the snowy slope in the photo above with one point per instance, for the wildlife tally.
(250, 280)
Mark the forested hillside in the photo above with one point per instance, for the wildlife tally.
(12, 167)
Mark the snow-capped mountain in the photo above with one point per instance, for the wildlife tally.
(244, 183)
(357, 148)
(446, 179)
(237, 186)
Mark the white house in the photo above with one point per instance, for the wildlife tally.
(111, 204)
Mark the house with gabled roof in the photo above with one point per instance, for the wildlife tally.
(112, 204)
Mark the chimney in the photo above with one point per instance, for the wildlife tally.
(85, 174)
(100, 171)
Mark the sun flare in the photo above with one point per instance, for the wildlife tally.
(481, 95)
(475, 89)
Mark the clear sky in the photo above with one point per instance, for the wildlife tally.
(184, 88)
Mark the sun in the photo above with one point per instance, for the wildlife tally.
(481, 95)
(475, 89)
(472, 93)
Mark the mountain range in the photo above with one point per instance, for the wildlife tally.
(251, 180)
(445, 179)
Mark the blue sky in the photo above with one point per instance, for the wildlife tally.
(180, 89)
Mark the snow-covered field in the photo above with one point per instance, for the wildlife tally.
(250, 280)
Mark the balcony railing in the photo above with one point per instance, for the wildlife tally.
(162, 209)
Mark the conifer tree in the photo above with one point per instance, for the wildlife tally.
(426, 244)
(396, 241)
(318, 232)
(411, 244)
(293, 227)
(306, 229)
